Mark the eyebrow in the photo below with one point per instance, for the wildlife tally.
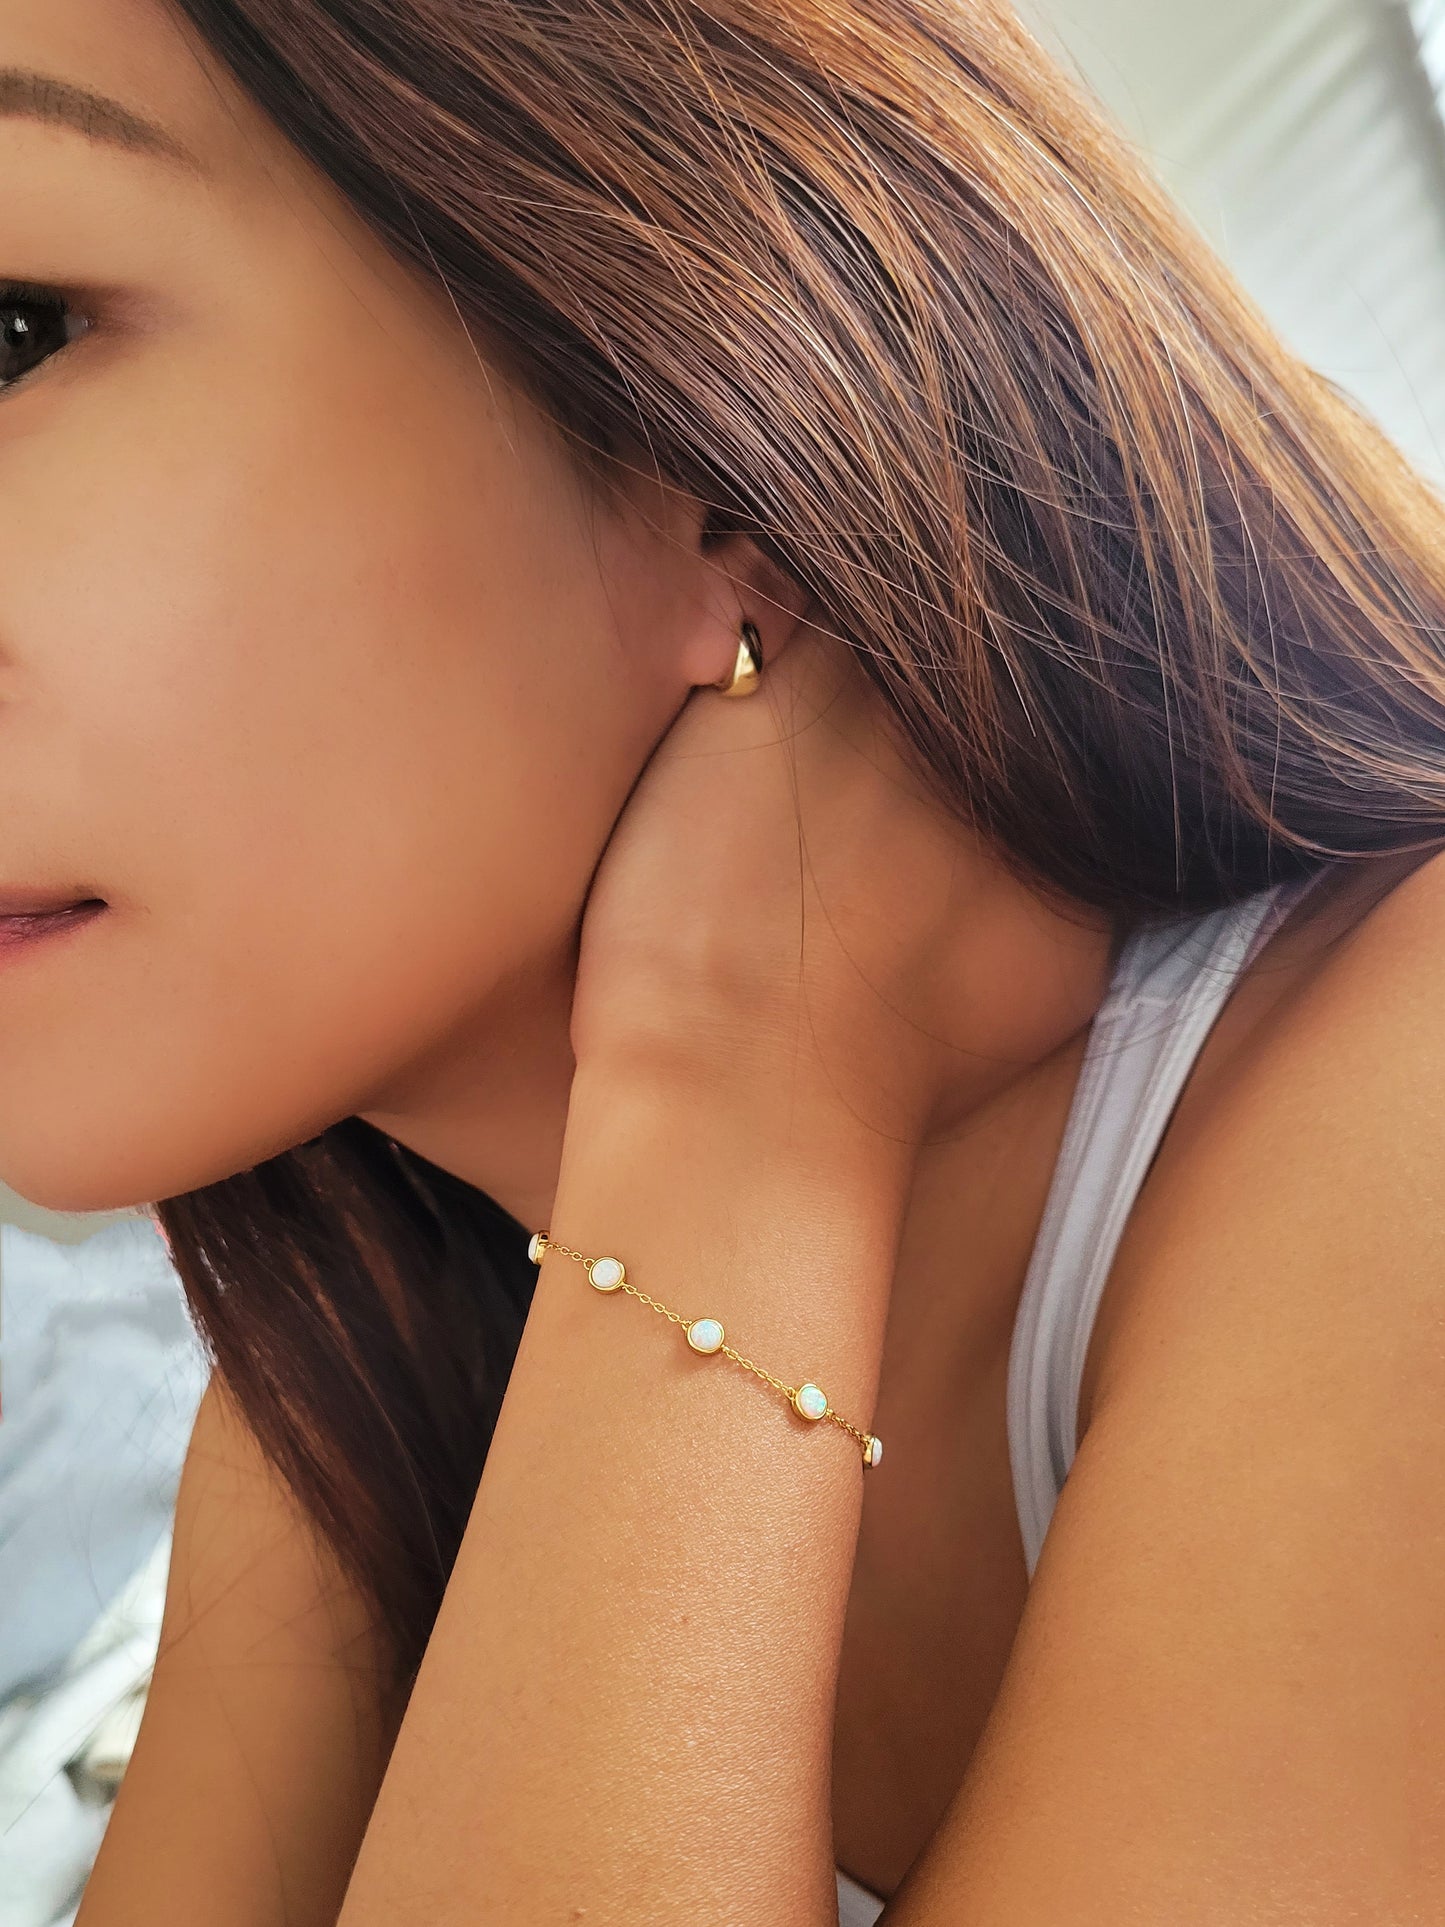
(26, 95)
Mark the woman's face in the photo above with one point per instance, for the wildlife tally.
(319, 663)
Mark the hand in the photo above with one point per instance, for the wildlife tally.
(780, 898)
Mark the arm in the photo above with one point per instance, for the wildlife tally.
(267, 1723)
(626, 1705)
(625, 1708)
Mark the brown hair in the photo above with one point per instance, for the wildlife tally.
(1157, 609)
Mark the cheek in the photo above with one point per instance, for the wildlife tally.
(339, 771)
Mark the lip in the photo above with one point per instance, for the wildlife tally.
(31, 927)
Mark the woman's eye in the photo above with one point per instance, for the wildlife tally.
(35, 323)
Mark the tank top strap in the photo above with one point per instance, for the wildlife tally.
(1168, 985)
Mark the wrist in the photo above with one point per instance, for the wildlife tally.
(728, 1162)
(750, 1108)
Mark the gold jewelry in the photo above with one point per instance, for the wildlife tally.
(748, 668)
(705, 1335)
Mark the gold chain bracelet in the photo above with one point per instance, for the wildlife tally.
(705, 1335)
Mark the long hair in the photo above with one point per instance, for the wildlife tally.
(1155, 606)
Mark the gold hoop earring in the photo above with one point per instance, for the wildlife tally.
(747, 670)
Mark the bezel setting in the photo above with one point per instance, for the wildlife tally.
(705, 1334)
(607, 1273)
(810, 1402)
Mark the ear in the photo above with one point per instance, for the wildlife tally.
(722, 576)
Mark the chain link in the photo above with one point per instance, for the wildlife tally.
(546, 1243)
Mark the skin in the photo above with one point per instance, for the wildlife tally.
(327, 671)
(321, 666)
(331, 679)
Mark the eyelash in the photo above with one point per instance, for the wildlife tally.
(35, 294)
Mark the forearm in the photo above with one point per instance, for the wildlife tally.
(626, 1707)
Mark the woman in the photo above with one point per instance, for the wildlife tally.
(422, 423)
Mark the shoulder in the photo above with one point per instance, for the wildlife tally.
(1320, 1093)
(1331, 1077)
(1226, 1698)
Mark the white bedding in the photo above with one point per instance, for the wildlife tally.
(102, 1373)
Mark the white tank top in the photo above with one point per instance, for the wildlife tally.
(1167, 987)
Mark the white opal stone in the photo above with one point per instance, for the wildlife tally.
(534, 1247)
(704, 1334)
(874, 1453)
(606, 1273)
(810, 1401)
